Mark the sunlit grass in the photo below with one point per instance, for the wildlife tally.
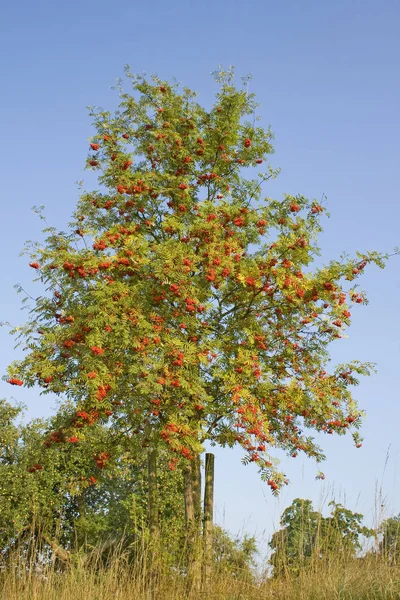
(353, 579)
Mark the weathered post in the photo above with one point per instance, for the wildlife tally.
(192, 491)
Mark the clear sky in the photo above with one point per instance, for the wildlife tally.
(327, 76)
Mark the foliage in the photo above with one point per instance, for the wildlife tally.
(64, 493)
(307, 536)
(389, 545)
(234, 555)
(181, 305)
(52, 491)
(350, 579)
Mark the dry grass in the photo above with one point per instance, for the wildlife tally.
(370, 579)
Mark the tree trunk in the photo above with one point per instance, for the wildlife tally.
(192, 483)
(189, 500)
(80, 535)
(153, 493)
(196, 483)
(208, 520)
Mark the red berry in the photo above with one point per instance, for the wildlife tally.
(97, 350)
(15, 381)
(316, 209)
(126, 165)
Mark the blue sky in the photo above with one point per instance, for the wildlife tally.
(326, 75)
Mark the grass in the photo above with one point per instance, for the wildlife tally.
(356, 579)
(151, 577)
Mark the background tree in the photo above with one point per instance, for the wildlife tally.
(389, 545)
(63, 498)
(307, 536)
(235, 556)
(342, 531)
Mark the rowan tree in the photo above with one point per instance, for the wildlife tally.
(182, 304)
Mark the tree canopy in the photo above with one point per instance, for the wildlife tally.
(389, 545)
(182, 304)
(306, 535)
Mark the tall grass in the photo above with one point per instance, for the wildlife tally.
(148, 579)
(151, 570)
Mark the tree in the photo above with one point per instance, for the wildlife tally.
(234, 555)
(293, 545)
(57, 506)
(63, 498)
(306, 536)
(343, 530)
(180, 305)
(389, 545)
